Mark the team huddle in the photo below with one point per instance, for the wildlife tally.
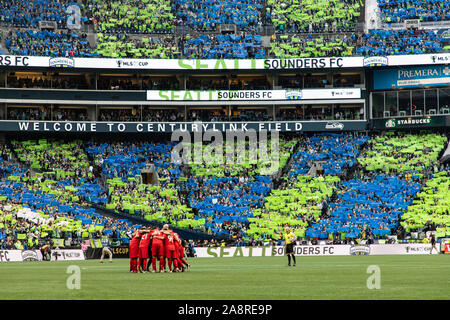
(150, 245)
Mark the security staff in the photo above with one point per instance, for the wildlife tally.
(290, 239)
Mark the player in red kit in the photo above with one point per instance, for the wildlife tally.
(143, 250)
(180, 248)
(169, 247)
(158, 249)
(134, 251)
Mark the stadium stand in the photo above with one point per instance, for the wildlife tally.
(38, 205)
(411, 154)
(386, 42)
(238, 46)
(430, 211)
(121, 45)
(373, 207)
(293, 46)
(130, 16)
(28, 13)
(394, 11)
(336, 152)
(208, 14)
(48, 43)
(296, 204)
(314, 16)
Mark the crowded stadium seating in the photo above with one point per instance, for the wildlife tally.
(224, 47)
(431, 208)
(56, 180)
(336, 152)
(314, 16)
(401, 42)
(130, 16)
(208, 14)
(394, 11)
(48, 43)
(28, 13)
(292, 46)
(49, 196)
(414, 154)
(296, 203)
(375, 206)
(146, 29)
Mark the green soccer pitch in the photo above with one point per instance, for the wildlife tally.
(401, 277)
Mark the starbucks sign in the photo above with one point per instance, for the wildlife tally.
(409, 122)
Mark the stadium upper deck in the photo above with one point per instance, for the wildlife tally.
(216, 29)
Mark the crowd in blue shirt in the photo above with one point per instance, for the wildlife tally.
(374, 206)
(395, 11)
(245, 46)
(48, 43)
(226, 203)
(28, 13)
(208, 14)
(401, 42)
(127, 159)
(338, 151)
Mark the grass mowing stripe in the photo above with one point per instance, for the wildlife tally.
(344, 277)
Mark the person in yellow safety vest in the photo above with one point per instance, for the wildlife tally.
(290, 239)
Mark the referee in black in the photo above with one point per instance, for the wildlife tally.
(290, 239)
(433, 244)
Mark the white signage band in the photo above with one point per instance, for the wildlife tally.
(223, 64)
(252, 95)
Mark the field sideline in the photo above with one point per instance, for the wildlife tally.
(402, 277)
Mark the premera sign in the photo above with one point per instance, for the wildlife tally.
(247, 95)
(430, 75)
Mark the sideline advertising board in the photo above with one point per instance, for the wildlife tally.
(35, 255)
(317, 250)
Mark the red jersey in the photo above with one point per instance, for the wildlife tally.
(145, 240)
(177, 242)
(157, 241)
(169, 241)
(135, 240)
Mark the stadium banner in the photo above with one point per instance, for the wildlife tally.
(447, 248)
(316, 250)
(67, 255)
(20, 255)
(411, 77)
(118, 252)
(220, 64)
(35, 255)
(409, 122)
(246, 95)
(276, 251)
(403, 248)
(169, 127)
